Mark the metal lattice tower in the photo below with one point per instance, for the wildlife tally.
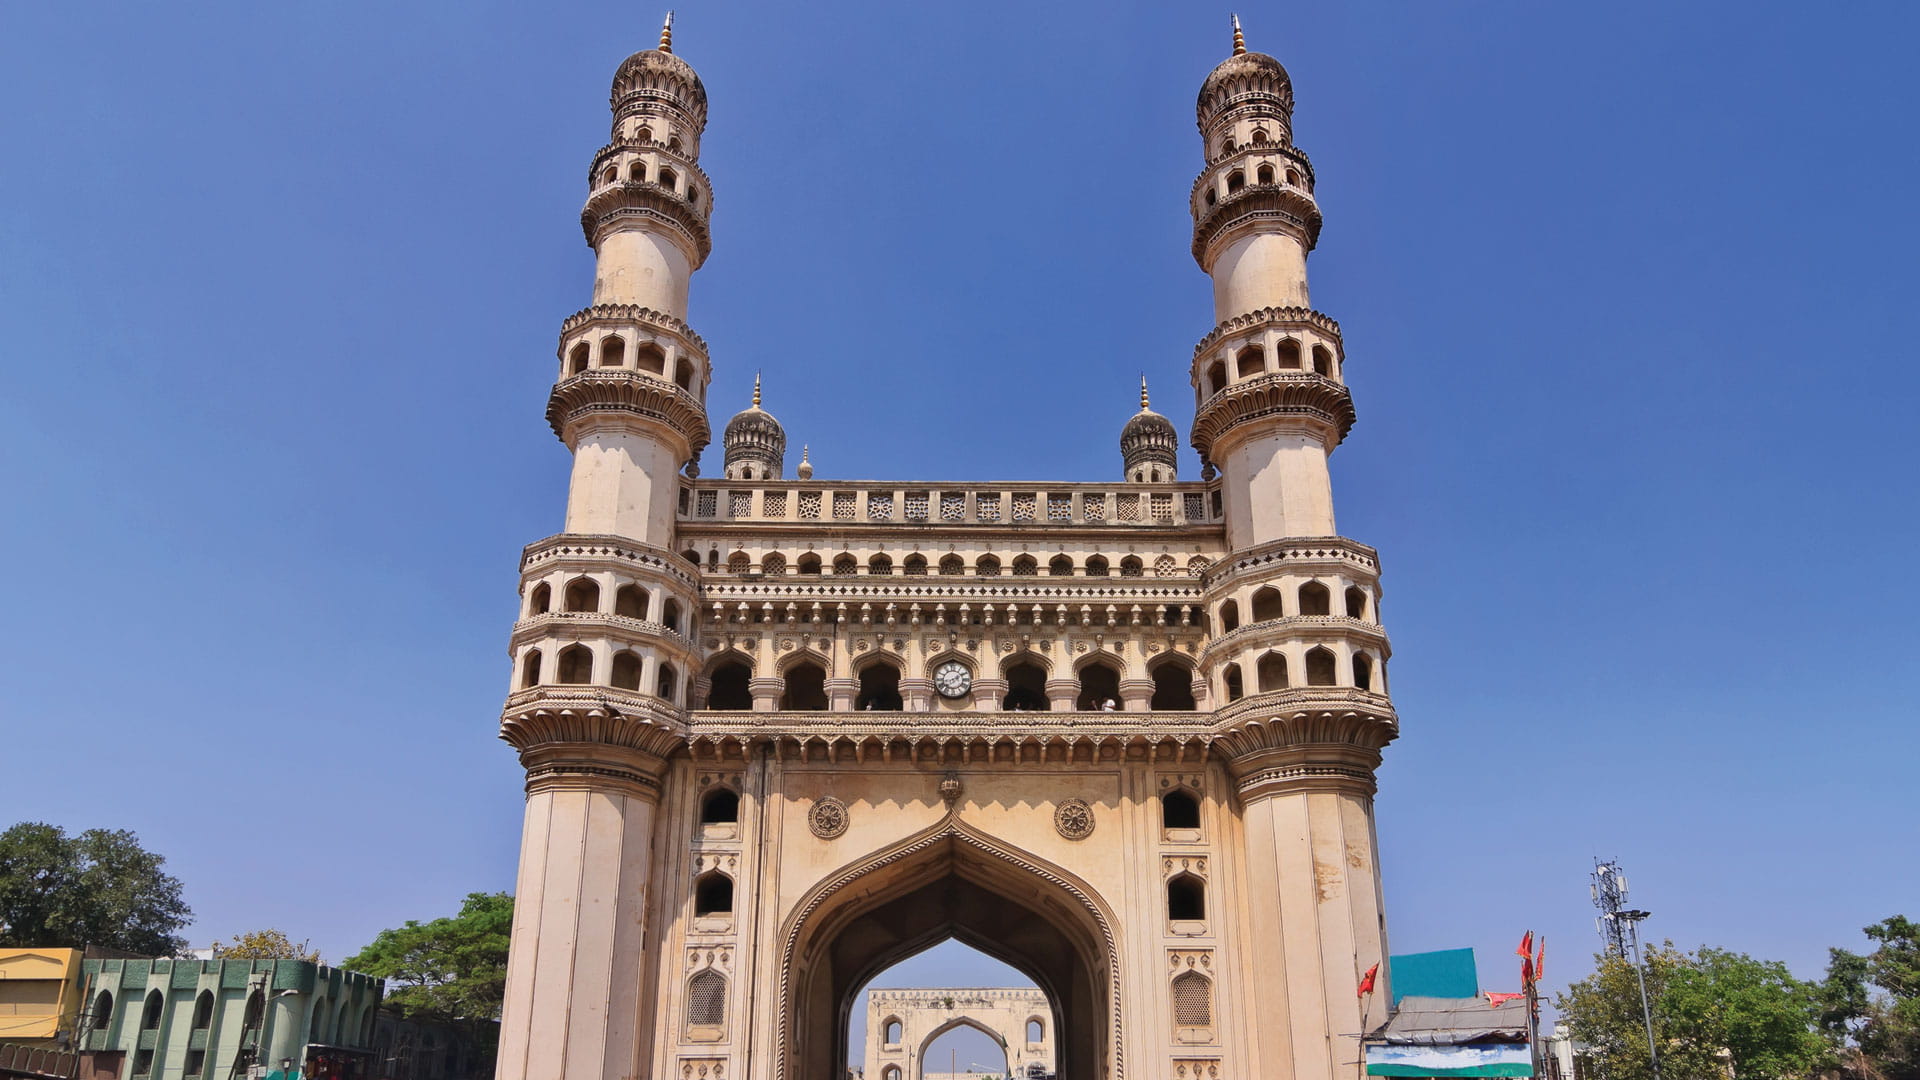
(1610, 896)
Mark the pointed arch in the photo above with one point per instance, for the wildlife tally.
(1006, 902)
(728, 676)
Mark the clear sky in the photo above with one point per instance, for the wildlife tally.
(1626, 290)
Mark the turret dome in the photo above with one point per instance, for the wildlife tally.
(1149, 445)
(664, 78)
(755, 443)
(1244, 78)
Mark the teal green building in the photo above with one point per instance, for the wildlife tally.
(225, 1019)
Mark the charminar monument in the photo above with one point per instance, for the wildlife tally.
(781, 731)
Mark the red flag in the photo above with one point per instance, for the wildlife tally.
(1366, 981)
(1540, 962)
(1525, 951)
(1495, 999)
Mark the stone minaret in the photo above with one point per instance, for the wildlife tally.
(602, 654)
(1303, 662)
(1149, 445)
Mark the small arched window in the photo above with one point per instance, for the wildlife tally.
(739, 563)
(1179, 810)
(774, 565)
(1192, 1001)
(613, 351)
(683, 375)
(1216, 376)
(1315, 599)
(879, 689)
(810, 563)
(583, 594)
(1293, 178)
(1289, 354)
(1229, 616)
(611, 174)
(1212, 196)
(626, 670)
(916, 566)
(650, 358)
(669, 179)
(893, 1034)
(670, 615)
(1267, 604)
(1025, 566)
(673, 144)
(150, 1014)
(720, 807)
(1172, 688)
(1236, 689)
(1259, 136)
(1060, 566)
(952, 564)
(630, 601)
(880, 564)
(1363, 671)
(845, 564)
(203, 1011)
(1235, 181)
(1251, 361)
(987, 566)
(1265, 174)
(637, 172)
(1271, 670)
(1321, 666)
(576, 664)
(540, 601)
(668, 681)
(1356, 602)
(103, 1009)
(691, 556)
(806, 688)
(645, 134)
(693, 195)
(1323, 361)
(1036, 1031)
(707, 1000)
(1131, 566)
(578, 358)
(728, 687)
(713, 894)
(1186, 898)
(1096, 566)
(1226, 146)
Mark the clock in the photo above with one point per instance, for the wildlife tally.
(952, 679)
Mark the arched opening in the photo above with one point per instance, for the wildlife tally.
(915, 566)
(150, 1014)
(1271, 672)
(706, 1007)
(317, 1029)
(1172, 687)
(720, 807)
(1235, 181)
(613, 351)
(739, 562)
(609, 174)
(690, 555)
(774, 565)
(949, 882)
(1321, 667)
(806, 688)
(578, 358)
(1026, 688)
(1192, 1007)
(1363, 671)
(891, 1036)
(1251, 361)
(1293, 177)
(530, 669)
(727, 686)
(1060, 566)
(1179, 810)
(203, 1011)
(880, 565)
(1356, 602)
(637, 172)
(987, 566)
(844, 564)
(1036, 1029)
(1267, 604)
(1315, 599)
(1265, 173)
(1096, 566)
(649, 358)
(669, 682)
(626, 671)
(952, 564)
(1186, 898)
(964, 1045)
(1099, 687)
(670, 615)
(1216, 376)
(668, 178)
(1025, 566)
(540, 600)
(712, 894)
(683, 374)
(1229, 616)
(630, 601)
(1230, 675)
(576, 664)
(583, 594)
(879, 688)
(810, 564)
(1288, 353)
(1323, 361)
(1131, 566)
(103, 1010)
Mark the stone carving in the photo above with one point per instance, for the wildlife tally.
(828, 818)
(1074, 819)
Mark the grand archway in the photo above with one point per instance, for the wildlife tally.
(950, 881)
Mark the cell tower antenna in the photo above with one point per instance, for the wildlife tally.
(1620, 930)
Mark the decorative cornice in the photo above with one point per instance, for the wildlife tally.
(589, 551)
(576, 624)
(593, 715)
(642, 199)
(1306, 716)
(1291, 317)
(634, 146)
(628, 314)
(1251, 207)
(617, 391)
(1289, 552)
(1298, 628)
(1314, 398)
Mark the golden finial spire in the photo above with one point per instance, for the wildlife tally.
(1143, 392)
(756, 389)
(1239, 39)
(666, 34)
(806, 467)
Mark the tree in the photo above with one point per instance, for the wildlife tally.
(451, 969)
(1883, 1027)
(98, 888)
(1713, 1010)
(268, 944)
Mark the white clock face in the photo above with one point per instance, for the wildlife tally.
(952, 679)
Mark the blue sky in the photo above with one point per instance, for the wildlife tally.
(1625, 290)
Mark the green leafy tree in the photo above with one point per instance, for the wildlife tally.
(452, 969)
(98, 888)
(269, 944)
(1713, 1010)
(1873, 1002)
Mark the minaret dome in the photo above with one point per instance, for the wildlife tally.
(756, 444)
(1149, 445)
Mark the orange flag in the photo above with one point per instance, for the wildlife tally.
(1540, 962)
(1366, 981)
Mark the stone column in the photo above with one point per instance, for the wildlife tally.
(1313, 906)
(1136, 695)
(766, 693)
(583, 892)
(988, 693)
(840, 694)
(1063, 694)
(917, 694)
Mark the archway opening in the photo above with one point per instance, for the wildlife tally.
(806, 688)
(1026, 688)
(949, 1011)
(1099, 687)
(950, 884)
(879, 688)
